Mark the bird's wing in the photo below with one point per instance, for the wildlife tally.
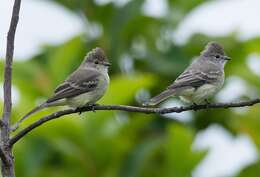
(81, 81)
(196, 78)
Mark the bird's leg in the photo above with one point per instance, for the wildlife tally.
(194, 105)
(207, 101)
(92, 106)
(78, 109)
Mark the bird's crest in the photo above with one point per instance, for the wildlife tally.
(213, 48)
(96, 54)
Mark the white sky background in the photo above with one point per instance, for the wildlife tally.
(227, 153)
(42, 22)
(222, 17)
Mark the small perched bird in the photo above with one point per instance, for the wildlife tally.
(201, 80)
(86, 85)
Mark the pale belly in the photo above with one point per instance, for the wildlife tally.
(90, 97)
(201, 94)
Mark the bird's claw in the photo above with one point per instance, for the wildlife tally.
(78, 109)
(93, 107)
(207, 101)
(194, 105)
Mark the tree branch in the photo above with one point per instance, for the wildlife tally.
(6, 152)
(146, 110)
(8, 70)
(3, 156)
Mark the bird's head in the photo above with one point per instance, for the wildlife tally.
(96, 58)
(215, 53)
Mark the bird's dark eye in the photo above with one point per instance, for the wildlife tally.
(217, 56)
(96, 62)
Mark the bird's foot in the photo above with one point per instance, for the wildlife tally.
(78, 109)
(92, 106)
(194, 105)
(207, 101)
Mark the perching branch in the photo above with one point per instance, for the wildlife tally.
(146, 110)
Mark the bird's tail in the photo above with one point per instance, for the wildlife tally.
(159, 98)
(36, 109)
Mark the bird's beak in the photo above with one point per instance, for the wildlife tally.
(227, 58)
(106, 64)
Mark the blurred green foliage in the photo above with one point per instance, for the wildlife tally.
(120, 144)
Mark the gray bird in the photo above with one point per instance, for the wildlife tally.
(86, 85)
(201, 80)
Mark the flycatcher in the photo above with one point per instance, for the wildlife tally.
(86, 85)
(201, 80)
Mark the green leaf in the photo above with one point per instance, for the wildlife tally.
(181, 159)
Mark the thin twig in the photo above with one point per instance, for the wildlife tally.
(146, 110)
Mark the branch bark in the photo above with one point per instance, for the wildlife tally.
(3, 156)
(6, 151)
(146, 110)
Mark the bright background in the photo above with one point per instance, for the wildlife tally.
(146, 40)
